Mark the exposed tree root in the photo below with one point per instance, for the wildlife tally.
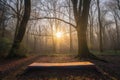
(90, 56)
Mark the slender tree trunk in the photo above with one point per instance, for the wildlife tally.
(100, 25)
(35, 42)
(3, 29)
(117, 32)
(17, 25)
(71, 42)
(2, 22)
(91, 36)
(21, 31)
(91, 32)
(53, 40)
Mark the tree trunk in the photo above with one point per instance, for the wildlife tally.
(21, 31)
(117, 32)
(83, 50)
(71, 42)
(81, 12)
(100, 25)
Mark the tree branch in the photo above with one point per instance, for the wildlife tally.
(54, 18)
(9, 6)
(75, 11)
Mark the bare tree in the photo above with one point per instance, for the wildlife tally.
(81, 12)
(21, 31)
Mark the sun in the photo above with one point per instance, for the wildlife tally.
(58, 34)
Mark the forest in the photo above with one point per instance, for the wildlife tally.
(60, 31)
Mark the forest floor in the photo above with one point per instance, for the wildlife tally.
(110, 70)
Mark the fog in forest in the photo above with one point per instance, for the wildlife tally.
(51, 27)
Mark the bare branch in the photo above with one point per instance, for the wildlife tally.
(56, 19)
(9, 6)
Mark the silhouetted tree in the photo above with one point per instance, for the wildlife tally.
(81, 12)
(21, 30)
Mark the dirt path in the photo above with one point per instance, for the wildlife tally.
(57, 59)
(60, 74)
(21, 74)
(112, 68)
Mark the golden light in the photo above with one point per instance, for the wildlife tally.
(58, 34)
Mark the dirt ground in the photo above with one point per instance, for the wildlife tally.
(110, 70)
